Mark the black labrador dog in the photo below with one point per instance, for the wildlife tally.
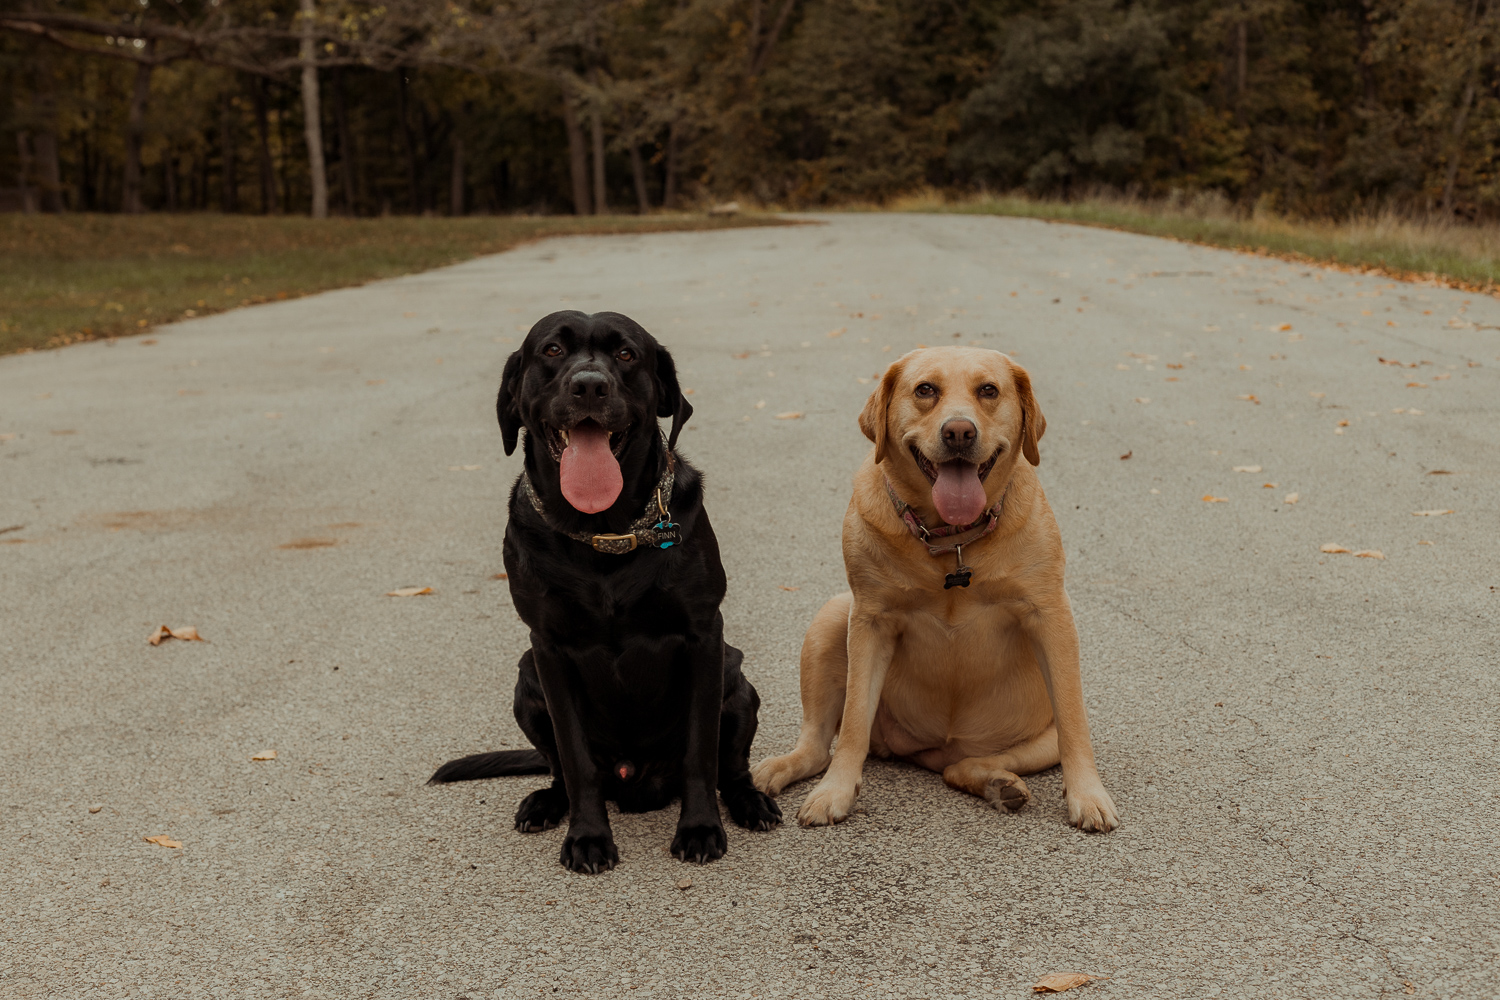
(629, 692)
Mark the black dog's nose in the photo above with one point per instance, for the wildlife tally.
(589, 383)
(959, 434)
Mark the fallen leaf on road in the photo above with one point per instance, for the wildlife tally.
(163, 840)
(1370, 554)
(187, 633)
(1247, 468)
(1251, 399)
(1413, 413)
(309, 543)
(790, 415)
(741, 356)
(1268, 486)
(688, 392)
(761, 405)
(1143, 399)
(1416, 385)
(500, 576)
(1343, 423)
(1210, 498)
(684, 883)
(1430, 513)
(780, 587)
(1059, 981)
(861, 380)
(265, 755)
(7, 437)
(1440, 472)
(1284, 327)
(1291, 498)
(409, 592)
(95, 809)
(1122, 368)
(1331, 547)
(1317, 395)
(1173, 366)
(1127, 454)
(837, 333)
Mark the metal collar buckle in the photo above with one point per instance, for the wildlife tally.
(615, 545)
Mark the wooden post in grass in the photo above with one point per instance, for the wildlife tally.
(312, 120)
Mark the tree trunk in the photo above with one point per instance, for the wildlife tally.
(229, 182)
(408, 142)
(346, 144)
(578, 158)
(23, 173)
(1242, 61)
(169, 178)
(268, 200)
(49, 171)
(456, 180)
(1457, 148)
(135, 127)
(596, 126)
(669, 187)
(763, 57)
(312, 113)
(638, 172)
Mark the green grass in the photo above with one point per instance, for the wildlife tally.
(81, 277)
(1463, 255)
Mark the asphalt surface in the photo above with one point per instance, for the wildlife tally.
(1303, 745)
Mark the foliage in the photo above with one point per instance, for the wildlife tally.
(1312, 107)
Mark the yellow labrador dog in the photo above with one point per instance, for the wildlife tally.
(956, 650)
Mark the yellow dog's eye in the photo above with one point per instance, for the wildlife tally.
(552, 350)
(988, 391)
(927, 390)
(625, 354)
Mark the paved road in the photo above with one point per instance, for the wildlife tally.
(1302, 745)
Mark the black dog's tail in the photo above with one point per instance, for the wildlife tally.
(498, 764)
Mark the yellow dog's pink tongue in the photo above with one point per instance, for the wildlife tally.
(958, 494)
(590, 476)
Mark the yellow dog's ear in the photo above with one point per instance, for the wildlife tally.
(872, 419)
(1033, 424)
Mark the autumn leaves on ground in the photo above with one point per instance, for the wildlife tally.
(67, 278)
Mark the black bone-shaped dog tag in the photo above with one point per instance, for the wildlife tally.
(959, 579)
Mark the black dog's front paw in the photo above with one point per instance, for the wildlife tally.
(753, 809)
(699, 844)
(542, 810)
(590, 854)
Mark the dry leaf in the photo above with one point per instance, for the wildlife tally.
(1416, 385)
(1317, 395)
(1210, 498)
(265, 755)
(1122, 368)
(1291, 498)
(790, 415)
(409, 592)
(1251, 398)
(1059, 981)
(684, 883)
(1284, 327)
(1331, 547)
(1343, 423)
(163, 840)
(837, 333)
(1439, 472)
(500, 576)
(741, 356)
(780, 587)
(1143, 399)
(761, 405)
(1247, 468)
(1268, 486)
(1370, 554)
(1430, 513)
(1173, 366)
(187, 633)
(309, 543)
(1127, 454)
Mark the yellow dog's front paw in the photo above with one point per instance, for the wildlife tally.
(826, 805)
(1092, 810)
(773, 774)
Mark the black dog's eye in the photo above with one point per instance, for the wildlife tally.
(988, 391)
(552, 350)
(927, 390)
(625, 354)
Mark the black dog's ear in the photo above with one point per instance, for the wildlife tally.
(669, 399)
(505, 403)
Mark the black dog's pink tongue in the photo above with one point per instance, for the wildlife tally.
(590, 476)
(958, 494)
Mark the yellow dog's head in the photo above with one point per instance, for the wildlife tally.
(949, 419)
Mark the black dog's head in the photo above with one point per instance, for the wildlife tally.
(588, 389)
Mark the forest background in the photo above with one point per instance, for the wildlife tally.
(1302, 107)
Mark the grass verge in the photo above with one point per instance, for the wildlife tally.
(69, 278)
(1458, 255)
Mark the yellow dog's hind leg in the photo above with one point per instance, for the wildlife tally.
(997, 779)
(825, 668)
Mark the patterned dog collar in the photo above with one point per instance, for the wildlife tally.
(653, 529)
(958, 535)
